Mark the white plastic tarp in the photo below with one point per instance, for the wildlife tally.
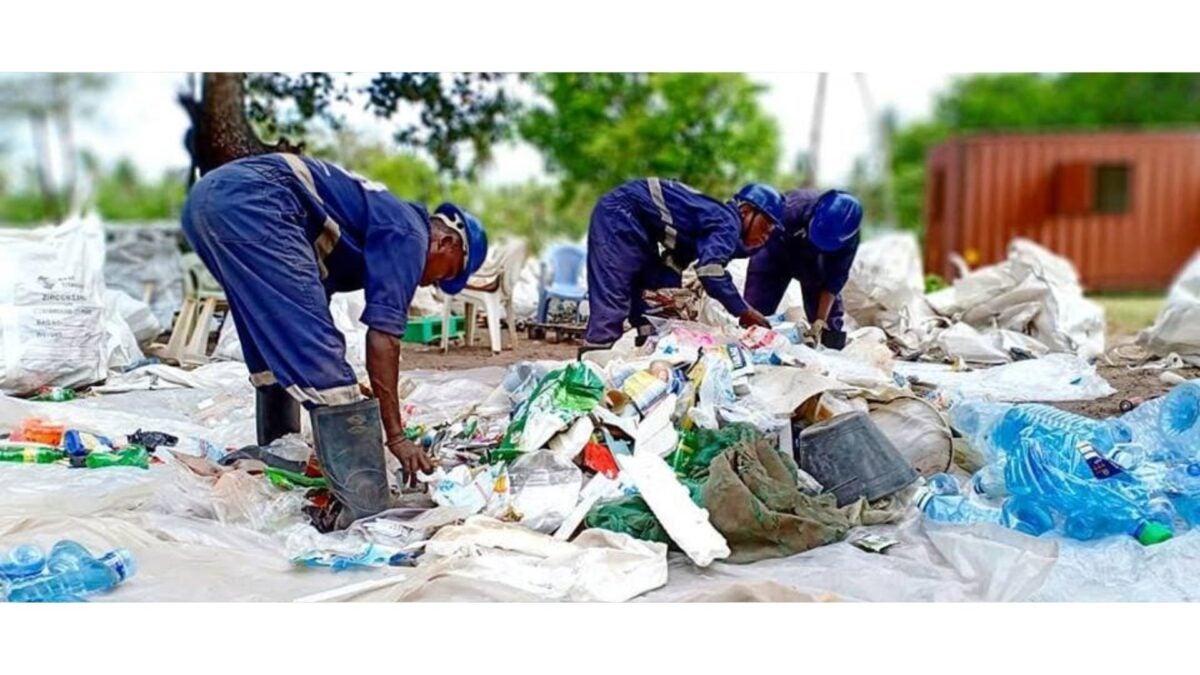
(1055, 377)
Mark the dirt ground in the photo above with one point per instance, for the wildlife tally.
(422, 357)
(1128, 383)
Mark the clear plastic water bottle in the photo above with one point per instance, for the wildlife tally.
(1145, 424)
(1180, 416)
(1065, 473)
(1182, 486)
(1023, 515)
(23, 561)
(942, 484)
(954, 508)
(73, 571)
(989, 481)
(975, 421)
(1053, 425)
(1026, 515)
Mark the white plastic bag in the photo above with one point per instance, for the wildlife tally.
(122, 345)
(52, 324)
(1055, 377)
(1177, 328)
(137, 314)
(886, 275)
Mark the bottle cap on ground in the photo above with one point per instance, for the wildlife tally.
(1150, 533)
(122, 562)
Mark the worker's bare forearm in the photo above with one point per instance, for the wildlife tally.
(824, 305)
(383, 369)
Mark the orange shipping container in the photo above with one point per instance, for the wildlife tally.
(1124, 207)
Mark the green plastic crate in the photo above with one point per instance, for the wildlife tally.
(427, 329)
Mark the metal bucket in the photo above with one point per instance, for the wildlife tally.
(851, 458)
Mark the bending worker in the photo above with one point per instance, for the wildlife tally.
(631, 223)
(282, 233)
(816, 247)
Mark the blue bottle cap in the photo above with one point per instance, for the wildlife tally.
(121, 561)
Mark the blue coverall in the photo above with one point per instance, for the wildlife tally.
(283, 233)
(790, 255)
(627, 228)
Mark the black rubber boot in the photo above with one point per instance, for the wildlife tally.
(588, 347)
(644, 332)
(348, 440)
(276, 412)
(833, 339)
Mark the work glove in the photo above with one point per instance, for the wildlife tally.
(753, 317)
(813, 335)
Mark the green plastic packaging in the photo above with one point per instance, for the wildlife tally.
(130, 455)
(30, 454)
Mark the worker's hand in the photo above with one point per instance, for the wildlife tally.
(412, 457)
(753, 317)
(813, 334)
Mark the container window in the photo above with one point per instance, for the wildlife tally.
(1112, 189)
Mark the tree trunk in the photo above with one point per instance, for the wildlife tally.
(220, 132)
(41, 146)
(814, 135)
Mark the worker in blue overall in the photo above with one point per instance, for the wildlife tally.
(644, 233)
(816, 247)
(282, 233)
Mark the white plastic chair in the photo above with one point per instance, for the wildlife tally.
(202, 298)
(492, 289)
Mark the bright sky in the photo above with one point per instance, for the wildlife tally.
(140, 119)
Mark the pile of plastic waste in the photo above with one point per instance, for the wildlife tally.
(1050, 470)
(36, 441)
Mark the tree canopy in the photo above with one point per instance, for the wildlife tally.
(597, 130)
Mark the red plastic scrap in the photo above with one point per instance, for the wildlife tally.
(598, 458)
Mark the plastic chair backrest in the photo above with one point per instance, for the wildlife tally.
(567, 262)
(511, 264)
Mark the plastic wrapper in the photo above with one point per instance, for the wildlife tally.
(249, 501)
(545, 489)
(714, 392)
(559, 398)
(469, 489)
(291, 447)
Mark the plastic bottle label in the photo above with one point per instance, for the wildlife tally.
(1101, 467)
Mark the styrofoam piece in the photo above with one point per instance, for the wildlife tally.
(655, 434)
(686, 523)
(570, 443)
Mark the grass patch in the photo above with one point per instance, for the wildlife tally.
(1128, 313)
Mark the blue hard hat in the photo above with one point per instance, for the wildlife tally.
(835, 221)
(474, 242)
(764, 198)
